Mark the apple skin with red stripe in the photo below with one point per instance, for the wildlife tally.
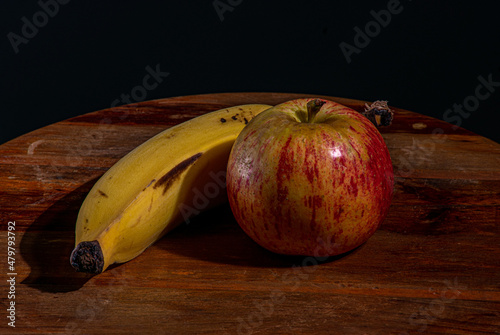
(310, 177)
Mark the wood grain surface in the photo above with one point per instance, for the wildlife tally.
(432, 267)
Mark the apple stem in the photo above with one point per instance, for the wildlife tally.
(313, 108)
(379, 113)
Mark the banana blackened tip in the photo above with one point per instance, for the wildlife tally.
(87, 257)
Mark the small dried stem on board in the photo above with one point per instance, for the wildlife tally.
(379, 113)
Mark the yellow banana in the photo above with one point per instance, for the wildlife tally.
(158, 185)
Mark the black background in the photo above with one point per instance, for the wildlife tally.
(87, 55)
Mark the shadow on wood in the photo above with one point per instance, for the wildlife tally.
(47, 244)
(215, 236)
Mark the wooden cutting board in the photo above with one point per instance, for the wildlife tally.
(432, 267)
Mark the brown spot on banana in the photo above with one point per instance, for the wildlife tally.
(169, 177)
(102, 193)
(150, 206)
(152, 181)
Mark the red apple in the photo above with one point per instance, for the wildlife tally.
(310, 177)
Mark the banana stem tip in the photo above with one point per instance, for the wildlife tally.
(87, 257)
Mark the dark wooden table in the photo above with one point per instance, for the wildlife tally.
(432, 267)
